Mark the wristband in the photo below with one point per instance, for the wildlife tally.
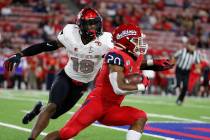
(141, 87)
(150, 62)
(19, 54)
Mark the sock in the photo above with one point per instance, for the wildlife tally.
(133, 135)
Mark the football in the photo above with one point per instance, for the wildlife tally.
(133, 78)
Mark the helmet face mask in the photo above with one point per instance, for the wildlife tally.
(130, 38)
(140, 46)
(90, 23)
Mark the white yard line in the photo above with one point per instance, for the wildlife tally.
(19, 128)
(20, 99)
(205, 117)
(165, 103)
(26, 99)
(173, 118)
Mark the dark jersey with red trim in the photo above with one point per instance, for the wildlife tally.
(114, 57)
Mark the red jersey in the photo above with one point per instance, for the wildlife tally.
(102, 83)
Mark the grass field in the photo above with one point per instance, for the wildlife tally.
(162, 111)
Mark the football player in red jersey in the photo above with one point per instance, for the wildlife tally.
(104, 102)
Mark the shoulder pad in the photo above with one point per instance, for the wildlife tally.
(106, 37)
(66, 34)
(114, 58)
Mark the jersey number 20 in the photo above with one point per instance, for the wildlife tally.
(84, 66)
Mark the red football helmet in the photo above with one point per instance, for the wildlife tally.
(130, 38)
(86, 18)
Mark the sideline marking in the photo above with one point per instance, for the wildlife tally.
(21, 128)
(205, 117)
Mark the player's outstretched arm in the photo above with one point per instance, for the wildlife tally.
(157, 64)
(14, 60)
(41, 47)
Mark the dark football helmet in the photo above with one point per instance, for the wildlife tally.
(87, 18)
(130, 38)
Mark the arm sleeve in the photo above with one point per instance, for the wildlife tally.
(39, 48)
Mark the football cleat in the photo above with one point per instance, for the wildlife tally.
(178, 102)
(31, 115)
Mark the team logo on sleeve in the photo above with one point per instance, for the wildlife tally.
(128, 62)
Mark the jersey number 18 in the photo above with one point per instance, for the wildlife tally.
(84, 66)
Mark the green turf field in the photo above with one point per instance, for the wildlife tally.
(14, 104)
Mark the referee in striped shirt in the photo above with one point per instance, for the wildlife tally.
(184, 60)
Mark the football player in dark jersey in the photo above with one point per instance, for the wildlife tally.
(83, 65)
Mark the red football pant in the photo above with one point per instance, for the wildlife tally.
(96, 109)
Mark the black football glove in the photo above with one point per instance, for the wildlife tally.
(12, 62)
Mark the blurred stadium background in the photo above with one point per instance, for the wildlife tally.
(167, 25)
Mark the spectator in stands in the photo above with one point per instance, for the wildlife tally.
(184, 59)
(82, 3)
(207, 42)
(186, 4)
(30, 76)
(4, 3)
(40, 7)
(2, 72)
(194, 79)
(18, 74)
(205, 78)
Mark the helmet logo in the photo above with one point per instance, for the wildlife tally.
(126, 33)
